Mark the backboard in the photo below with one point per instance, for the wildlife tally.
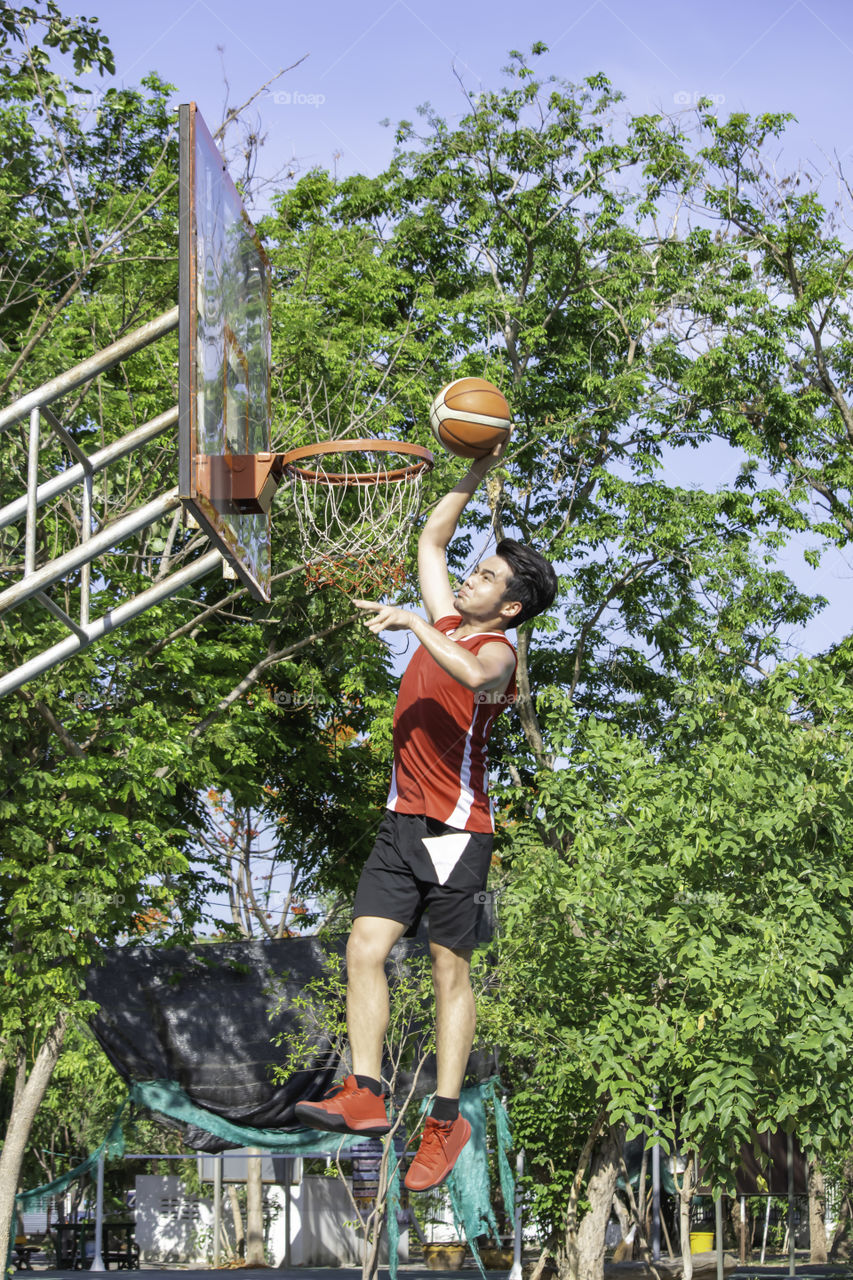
(224, 332)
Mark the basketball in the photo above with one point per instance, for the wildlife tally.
(470, 417)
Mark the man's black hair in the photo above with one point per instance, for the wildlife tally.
(532, 580)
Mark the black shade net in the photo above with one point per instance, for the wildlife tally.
(217, 1019)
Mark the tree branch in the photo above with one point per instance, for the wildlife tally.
(251, 678)
(238, 111)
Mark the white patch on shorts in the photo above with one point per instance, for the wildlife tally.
(445, 851)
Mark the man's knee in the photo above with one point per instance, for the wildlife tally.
(451, 970)
(370, 942)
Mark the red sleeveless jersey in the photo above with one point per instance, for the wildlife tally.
(440, 734)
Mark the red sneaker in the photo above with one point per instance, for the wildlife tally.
(441, 1142)
(346, 1109)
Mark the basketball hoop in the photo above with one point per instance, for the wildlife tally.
(356, 502)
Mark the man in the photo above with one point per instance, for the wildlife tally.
(434, 846)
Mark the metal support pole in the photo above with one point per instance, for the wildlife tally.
(68, 440)
(85, 535)
(792, 1265)
(515, 1270)
(288, 1183)
(32, 486)
(109, 622)
(217, 1209)
(102, 541)
(766, 1229)
(656, 1202)
(742, 1251)
(88, 369)
(91, 466)
(98, 1260)
(59, 613)
(718, 1224)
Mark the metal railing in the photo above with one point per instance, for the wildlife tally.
(35, 581)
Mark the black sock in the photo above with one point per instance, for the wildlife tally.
(367, 1082)
(445, 1108)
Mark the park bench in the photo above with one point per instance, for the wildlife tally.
(74, 1243)
(24, 1250)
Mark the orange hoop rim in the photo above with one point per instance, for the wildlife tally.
(424, 461)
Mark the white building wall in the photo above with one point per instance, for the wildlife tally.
(319, 1235)
(172, 1226)
(321, 1227)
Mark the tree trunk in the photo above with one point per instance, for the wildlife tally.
(685, 1199)
(525, 707)
(817, 1213)
(642, 1213)
(739, 1207)
(237, 1216)
(623, 1215)
(29, 1091)
(584, 1248)
(640, 1237)
(374, 1222)
(255, 1254)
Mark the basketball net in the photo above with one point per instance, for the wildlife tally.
(356, 502)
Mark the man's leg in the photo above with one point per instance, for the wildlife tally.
(446, 1131)
(456, 1016)
(358, 1104)
(368, 947)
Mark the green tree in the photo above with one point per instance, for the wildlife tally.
(684, 967)
(106, 760)
(538, 243)
(531, 245)
(775, 375)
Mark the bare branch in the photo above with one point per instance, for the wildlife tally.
(238, 111)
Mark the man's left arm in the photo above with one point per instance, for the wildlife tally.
(489, 669)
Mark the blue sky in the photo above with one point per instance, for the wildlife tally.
(381, 58)
(362, 63)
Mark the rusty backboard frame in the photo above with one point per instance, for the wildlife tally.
(224, 333)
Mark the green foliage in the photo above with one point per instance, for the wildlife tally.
(106, 758)
(674, 831)
(775, 377)
(80, 37)
(410, 1038)
(685, 929)
(531, 243)
(655, 829)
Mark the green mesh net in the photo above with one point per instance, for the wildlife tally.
(469, 1184)
(112, 1145)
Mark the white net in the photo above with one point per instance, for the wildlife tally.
(356, 502)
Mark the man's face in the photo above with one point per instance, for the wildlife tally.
(482, 595)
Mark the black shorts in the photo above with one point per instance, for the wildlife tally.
(421, 865)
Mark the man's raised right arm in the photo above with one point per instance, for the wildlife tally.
(436, 591)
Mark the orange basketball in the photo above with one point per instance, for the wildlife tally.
(470, 417)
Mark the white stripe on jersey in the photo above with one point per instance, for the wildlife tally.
(391, 802)
(475, 634)
(465, 800)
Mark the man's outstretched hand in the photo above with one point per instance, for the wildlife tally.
(386, 617)
(492, 459)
